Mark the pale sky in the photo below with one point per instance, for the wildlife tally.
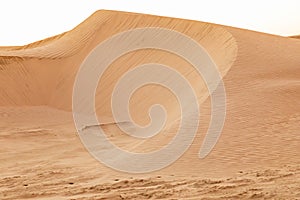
(26, 21)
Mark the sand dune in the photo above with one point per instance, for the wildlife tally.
(295, 36)
(257, 155)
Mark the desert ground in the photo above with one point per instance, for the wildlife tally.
(256, 157)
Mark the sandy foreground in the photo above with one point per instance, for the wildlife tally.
(256, 157)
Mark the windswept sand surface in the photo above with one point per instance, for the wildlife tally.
(256, 157)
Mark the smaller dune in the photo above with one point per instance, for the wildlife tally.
(296, 36)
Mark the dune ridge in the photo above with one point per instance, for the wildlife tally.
(296, 36)
(217, 41)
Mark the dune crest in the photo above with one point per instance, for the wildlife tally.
(73, 47)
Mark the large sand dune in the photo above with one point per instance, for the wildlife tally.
(257, 155)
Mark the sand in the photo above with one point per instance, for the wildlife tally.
(296, 36)
(257, 155)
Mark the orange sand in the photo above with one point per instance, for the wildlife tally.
(257, 155)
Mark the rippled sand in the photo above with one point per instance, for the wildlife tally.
(257, 155)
